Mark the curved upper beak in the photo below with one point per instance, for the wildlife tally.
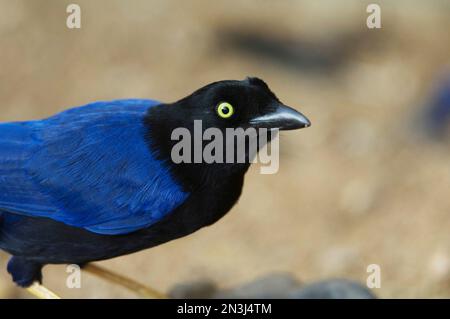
(283, 118)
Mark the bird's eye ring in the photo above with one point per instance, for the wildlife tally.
(225, 110)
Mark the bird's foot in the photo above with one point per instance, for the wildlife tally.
(27, 274)
(24, 272)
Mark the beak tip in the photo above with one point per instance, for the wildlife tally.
(284, 118)
(302, 121)
(294, 119)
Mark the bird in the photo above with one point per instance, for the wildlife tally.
(97, 181)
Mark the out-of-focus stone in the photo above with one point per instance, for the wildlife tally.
(276, 286)
(194, 290)
(271, 286)
(333, 289)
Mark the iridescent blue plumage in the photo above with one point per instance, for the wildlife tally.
(88, 167)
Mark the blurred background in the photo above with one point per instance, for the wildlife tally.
(368, 183)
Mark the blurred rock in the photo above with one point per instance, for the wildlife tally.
(333, 289)
(276, 286)
(271, 286)
(194, 290)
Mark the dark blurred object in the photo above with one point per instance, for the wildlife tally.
(333, 289)
(437, 113)
(271, 286)
(194, 290)
(275, 286)
(324, 55)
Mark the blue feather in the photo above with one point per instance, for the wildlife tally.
(88, 167)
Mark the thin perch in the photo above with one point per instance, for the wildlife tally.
(41, 292)
(139, 289)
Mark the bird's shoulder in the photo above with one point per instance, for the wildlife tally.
(102, 110)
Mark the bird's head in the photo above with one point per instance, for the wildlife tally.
(232, 104)
(222, 105)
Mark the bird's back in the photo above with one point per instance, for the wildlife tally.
(88, 167)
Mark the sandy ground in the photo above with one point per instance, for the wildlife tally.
(360, 187)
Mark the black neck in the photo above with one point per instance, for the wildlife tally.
(192, 176)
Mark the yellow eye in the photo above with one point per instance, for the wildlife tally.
(225, 110)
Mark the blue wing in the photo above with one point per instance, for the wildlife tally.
(88, 167)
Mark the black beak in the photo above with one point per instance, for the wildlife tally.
(283, 118)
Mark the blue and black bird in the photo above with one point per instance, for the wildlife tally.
(97, 181)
